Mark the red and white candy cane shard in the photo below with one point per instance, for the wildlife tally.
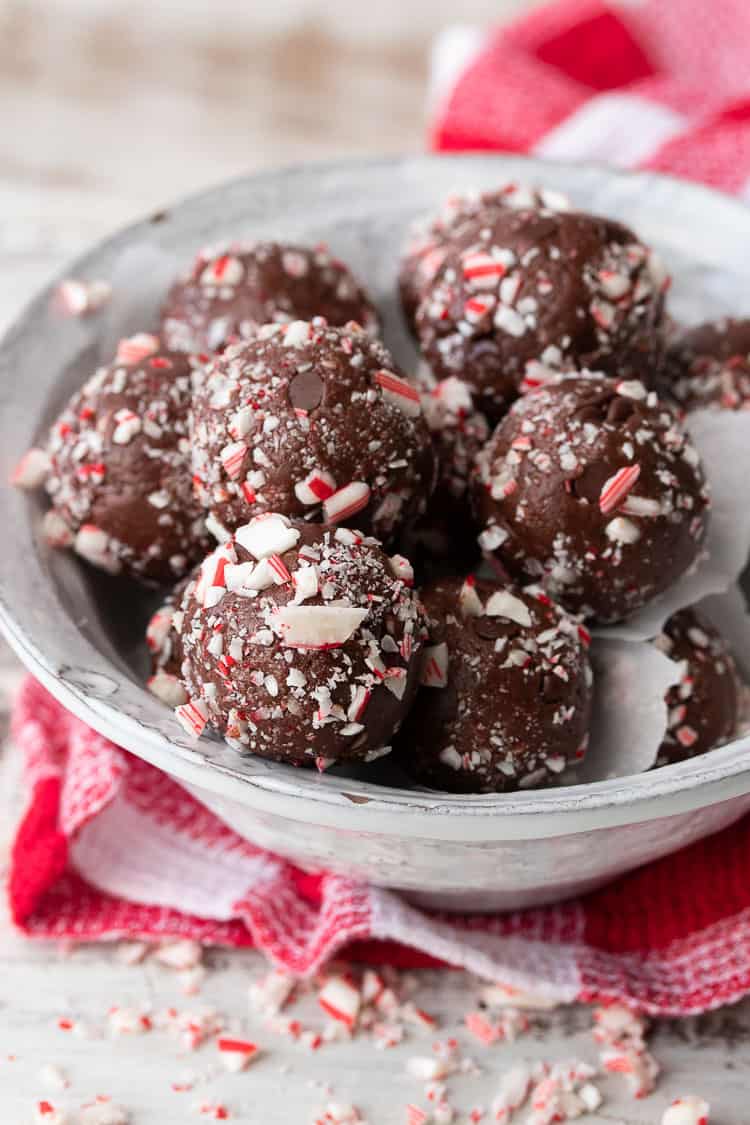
(93, 544)
(55, 530)
(402, 569)
(399, 392)
(482, 1028)
(477, 308)
(316, 626)
(225, 270)
(236, 1054)
(415, 1115)
(128, 425)
(248, 492)
(192, 717)
(480, 266)
(360, 698)
(266, 535)
(32, 470)
(281, 574)
(316, 487)
(158, 628)
(135, 348)
(77, 298)
(349, 500)
(617, 488)
(341, 1000)
(232, 457)
(688, 1110)
(435, 666)
(166, 687)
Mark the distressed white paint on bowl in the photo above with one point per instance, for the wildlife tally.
(75, 631)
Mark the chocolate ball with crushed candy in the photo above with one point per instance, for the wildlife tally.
(430, 237)
(591, 486)
(528, 290)
(505, 695)
(312, 421)
(301, 643)
(229, 292)
(703, 707)
(446, 534)
(709, 366)
(119, 474)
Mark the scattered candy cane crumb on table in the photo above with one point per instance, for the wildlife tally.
(344, 1002)
(689, 1110)
(620, 1034)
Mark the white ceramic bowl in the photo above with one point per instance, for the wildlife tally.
(74, 630)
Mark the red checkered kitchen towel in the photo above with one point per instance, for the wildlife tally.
(110, 847)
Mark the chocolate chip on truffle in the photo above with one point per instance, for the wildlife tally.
(506, 690)
(703, 707)
(311, 421)
(120, 470)
(301, 643)
(591, 486)
(709, 366)
(520, 287)
(430, 237)
(229, 293)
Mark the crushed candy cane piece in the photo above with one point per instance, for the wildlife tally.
(132, 952)
(340, 998)
(32, 470)
(688, 1110)
(55, 530)
(267, 535)
(397, 391)
(272, 992)
(79, 298)
(93, 544)
(434, 671)
(192, 717)
(346, 502)
(184, 954)
(315, 626)
(104, 1112)
(316, 487)
(236, 1054)
(45, 1113)
(133, 349)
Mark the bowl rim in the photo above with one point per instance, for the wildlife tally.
(357, 805)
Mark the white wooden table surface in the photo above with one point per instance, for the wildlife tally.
(95, 128)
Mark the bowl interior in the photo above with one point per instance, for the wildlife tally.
(81, 632)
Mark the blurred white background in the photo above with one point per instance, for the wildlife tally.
(128, 103)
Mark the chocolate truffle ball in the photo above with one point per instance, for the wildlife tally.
(311, 421)
(519, 287)
(301, 643)
(703, 707)
(709, 366)
(506, 690)
(591, 485)
(120, 468)
(447, 532)
(430, 237)
(228, 293)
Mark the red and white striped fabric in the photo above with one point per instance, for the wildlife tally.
(659, 84)
(110, 847)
